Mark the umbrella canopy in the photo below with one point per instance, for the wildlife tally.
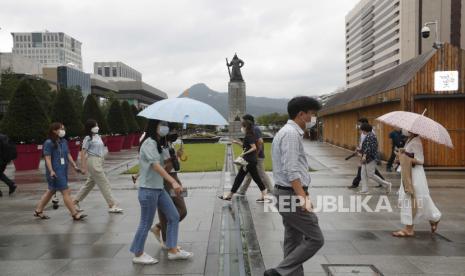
(418, 124)
(184, 110)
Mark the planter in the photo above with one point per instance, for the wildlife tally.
(104, 139)
(128, 140)
(28, 157)
(137, 136)
(115, 143)
(74, 148)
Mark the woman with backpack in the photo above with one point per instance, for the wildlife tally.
(57, 158)
(7, 154)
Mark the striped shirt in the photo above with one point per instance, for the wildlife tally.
(289, 160)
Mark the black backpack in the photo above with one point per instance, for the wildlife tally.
(8, 149)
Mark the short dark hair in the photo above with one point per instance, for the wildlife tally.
(302, 103)
(366, 127)
(363, 120)
(249, 118)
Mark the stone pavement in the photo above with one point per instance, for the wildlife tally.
(365, 238)
(215, 230)
(100, 244)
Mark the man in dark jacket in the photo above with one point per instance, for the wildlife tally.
(3, 163)
(398, 141)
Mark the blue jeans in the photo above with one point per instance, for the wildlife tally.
(149, 200)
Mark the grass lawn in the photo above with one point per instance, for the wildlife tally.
(201, 158)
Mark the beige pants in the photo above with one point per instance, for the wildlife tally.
(261, 171)
(367, 173)
(96, 176)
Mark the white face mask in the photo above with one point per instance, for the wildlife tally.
(95, 129)
(61, 133)
(243, 130)
(405, 133)
(163, 131)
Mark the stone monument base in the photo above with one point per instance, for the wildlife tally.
(237, 101)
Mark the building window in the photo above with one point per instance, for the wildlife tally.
(107, 71)
(114, 72)
(99, 71)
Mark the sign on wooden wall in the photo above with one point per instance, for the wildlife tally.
(446, 80)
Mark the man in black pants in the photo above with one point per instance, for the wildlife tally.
(3, 163)
(358, 178)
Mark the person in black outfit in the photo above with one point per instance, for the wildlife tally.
(250, 155)
(398, 141)
(358, 178)
(4, 141)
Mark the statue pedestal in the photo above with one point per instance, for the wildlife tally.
(237, 103)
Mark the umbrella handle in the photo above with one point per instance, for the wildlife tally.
(424, 111)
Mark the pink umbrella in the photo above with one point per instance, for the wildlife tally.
(418, 124)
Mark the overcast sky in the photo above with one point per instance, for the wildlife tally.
(289, 47)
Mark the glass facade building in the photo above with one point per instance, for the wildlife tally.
(68, 77)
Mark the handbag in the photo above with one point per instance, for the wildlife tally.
(240, 161)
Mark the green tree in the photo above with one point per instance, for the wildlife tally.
(91, 110)
(9, 84)
(43, 93)
(116, 120)
(141, 121)
(64, 111)
(129, 117)
(25, 120)
(77, 99)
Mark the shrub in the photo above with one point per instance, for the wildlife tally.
(64, 111)
(91, 110)
(25, 121)
(116, 120)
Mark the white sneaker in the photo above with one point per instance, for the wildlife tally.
(389, 188)
(78, 208)
(115, 209)
(181, 255)
(144, 259)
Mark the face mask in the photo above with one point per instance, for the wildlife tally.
(61, 133)
(243, 130)
(312, 122)
(163, 131)
(95, 129)
(405, 133)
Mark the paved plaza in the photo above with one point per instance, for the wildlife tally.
(236, 238)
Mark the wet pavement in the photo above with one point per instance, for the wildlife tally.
(228, 238)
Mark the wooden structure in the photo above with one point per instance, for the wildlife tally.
(408, 87)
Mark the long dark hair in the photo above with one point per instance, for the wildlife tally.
(91, 123)
(248, 125)
(151, 131)
(52, 135)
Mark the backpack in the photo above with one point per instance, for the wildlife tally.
(8, 149)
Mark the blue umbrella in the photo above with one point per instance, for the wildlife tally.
(185, 111)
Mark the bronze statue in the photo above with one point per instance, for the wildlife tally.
(236, 64)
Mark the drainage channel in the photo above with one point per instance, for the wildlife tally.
(239, 252)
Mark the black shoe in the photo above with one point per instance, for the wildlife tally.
(352, 187)
(379, 186)
(271, 272)
(1, 194)
(12, 189)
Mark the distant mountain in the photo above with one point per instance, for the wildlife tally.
(219, 100)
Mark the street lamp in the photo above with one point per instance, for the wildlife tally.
(426, 31)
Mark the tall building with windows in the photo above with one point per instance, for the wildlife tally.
(381, 34)
(52, 49)
(116, 69)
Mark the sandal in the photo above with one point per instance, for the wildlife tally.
(225, 198)
(403, 234)
(434, 226)
(134, 179)
(76, 217)
(40, 215)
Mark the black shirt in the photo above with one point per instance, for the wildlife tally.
(246, 145)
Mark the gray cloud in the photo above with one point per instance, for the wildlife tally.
(289, 47)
